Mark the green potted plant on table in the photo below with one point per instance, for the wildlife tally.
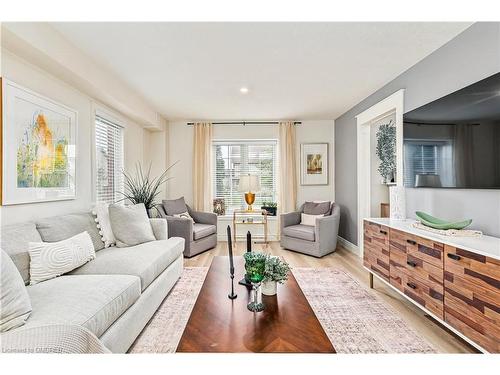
(276, 271)
(270, 207)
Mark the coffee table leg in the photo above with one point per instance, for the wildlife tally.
(371, 280)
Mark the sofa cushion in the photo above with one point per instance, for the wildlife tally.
(203, 230)
(53, 259)
(15, 240)
(317, 208)
(147, 260)
(15, 305)
(59, 228)
(130, 224)
(92, 301)
(175, 206)
(303, 232)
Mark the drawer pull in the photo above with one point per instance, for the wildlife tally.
(413, 286)
(454, 256)
(383, 232)
(411, 242)
(411, 264)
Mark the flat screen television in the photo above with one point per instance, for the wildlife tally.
(454, 141)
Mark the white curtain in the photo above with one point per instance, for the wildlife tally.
(202, 167)
(287, 195)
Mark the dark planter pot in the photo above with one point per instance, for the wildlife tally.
(271, 211)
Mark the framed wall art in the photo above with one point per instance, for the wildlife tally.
(39, 147)
(314, 164)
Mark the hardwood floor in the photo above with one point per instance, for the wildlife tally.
(440, 338)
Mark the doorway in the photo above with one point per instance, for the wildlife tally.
(369, 190)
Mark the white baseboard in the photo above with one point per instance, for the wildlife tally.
(348, 246)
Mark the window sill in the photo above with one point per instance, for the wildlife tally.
(230, 218)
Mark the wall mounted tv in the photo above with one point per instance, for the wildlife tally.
(454, 141)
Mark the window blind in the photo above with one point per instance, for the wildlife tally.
(235, 158)
(421, 158)
(109, 160)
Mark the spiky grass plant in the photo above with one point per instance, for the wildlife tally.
(142, 188)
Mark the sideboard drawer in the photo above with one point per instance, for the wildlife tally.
(472, 296)
(425, 272)
(422, 248)
(376, 249)
(429, 297)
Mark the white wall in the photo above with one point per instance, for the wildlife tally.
(38, 80)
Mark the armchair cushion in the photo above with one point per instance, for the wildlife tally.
(174, 206)
(317, 208)
(303, 232)
(203, 230)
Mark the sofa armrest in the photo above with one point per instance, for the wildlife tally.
(160, 228)
(204, 217)
(53, 338)
(180, 227)
(291, 218)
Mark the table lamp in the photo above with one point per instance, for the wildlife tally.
(249, 184)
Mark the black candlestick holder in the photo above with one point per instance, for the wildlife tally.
(246, 281)
(232, 295)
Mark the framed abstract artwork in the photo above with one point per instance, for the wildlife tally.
(314, 163)
(38, 147)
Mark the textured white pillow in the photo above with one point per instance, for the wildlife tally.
(101, 211)
(184, 215)
(15, 305)
(52, 259)
(306, 219)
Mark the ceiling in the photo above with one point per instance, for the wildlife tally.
(292, 70)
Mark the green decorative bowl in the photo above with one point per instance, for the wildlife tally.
(436, 223)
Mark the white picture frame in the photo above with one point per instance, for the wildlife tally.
(39, 147)
(314, 164)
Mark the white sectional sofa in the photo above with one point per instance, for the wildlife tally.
(112, 296)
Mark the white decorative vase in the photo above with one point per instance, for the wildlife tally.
(397, 202)
(269, 288)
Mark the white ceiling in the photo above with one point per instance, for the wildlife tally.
(293, 70)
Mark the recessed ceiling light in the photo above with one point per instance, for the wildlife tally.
(244, 90)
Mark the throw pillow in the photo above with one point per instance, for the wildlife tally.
(14, 298)
(306, 219)
(101, 211)
(184, 215)
(174, 206)
(317, 208)
(52, 259)
(130, 224)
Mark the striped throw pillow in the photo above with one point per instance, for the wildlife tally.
(52, 259)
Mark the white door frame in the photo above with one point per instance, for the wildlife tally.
(392, 104)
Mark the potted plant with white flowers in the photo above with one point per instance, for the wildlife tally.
(276, 271)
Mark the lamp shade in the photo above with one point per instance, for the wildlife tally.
(249, 183)
(427, 180)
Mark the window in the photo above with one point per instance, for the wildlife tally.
(109, 160)
(235, 158)
(427, 158)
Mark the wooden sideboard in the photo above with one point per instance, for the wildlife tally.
(456, 280)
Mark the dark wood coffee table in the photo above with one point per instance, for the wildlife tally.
(218, 324)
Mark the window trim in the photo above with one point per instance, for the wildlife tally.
(229, 141)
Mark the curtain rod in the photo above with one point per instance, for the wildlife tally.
(247, 123)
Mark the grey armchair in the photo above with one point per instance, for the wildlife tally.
(318, 240)
(199, 236)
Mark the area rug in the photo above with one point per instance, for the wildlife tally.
(353, 317)
(164, 331)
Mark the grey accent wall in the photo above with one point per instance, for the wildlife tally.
(470, 57)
